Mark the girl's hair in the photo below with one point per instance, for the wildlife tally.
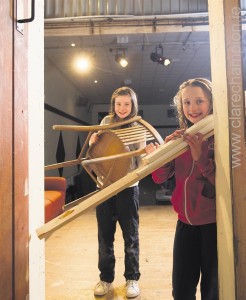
(205, 85)
(121, 92)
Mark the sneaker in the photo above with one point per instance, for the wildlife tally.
(102, 288)
(132, 289)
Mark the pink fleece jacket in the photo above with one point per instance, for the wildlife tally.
(194, 195)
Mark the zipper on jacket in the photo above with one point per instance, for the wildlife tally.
(186, 213)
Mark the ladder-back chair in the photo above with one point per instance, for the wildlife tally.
(109, 159)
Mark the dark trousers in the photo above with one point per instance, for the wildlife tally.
(195, 253)
(122, 208)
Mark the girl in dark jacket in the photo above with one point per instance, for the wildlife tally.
(195, 242)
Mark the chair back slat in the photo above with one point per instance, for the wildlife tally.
(137, 138)
(138, 141)
(129, 129)
(134, 134)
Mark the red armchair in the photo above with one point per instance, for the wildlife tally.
(54, 196)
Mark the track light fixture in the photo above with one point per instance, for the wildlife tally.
(120, 58)
(158, 57)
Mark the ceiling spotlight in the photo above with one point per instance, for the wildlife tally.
(158, 57)
(120, 58)
(83, 64)
(166, 62)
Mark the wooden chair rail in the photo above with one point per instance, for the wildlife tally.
(95, 127)
(113, 157)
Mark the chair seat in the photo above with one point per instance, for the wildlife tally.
(108, 171)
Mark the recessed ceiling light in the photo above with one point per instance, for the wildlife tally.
(72, 45)
(95, 81)
(83, 64)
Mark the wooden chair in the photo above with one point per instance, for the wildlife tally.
(109, 159)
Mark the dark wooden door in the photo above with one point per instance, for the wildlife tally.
(14, 280)
(6, 150)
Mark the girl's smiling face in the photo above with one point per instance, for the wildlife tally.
(123, 106)
(195, 103)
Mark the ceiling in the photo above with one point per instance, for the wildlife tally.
(189, 51)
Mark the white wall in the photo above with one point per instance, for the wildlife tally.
(61, 94)
(36, 152)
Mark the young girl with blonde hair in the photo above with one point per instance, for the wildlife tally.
(195, 242)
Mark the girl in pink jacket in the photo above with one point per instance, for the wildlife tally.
(195, 242)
